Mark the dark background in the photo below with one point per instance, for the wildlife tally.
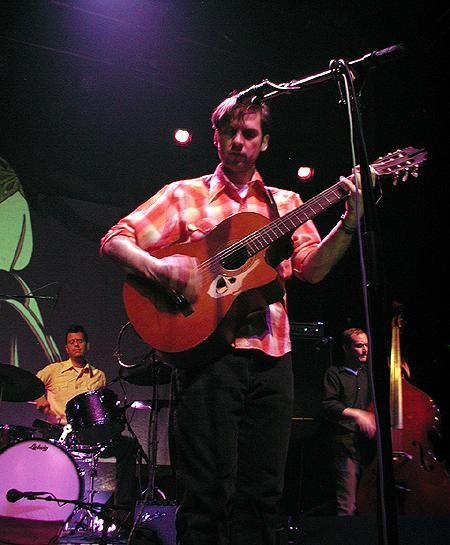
(92, 90)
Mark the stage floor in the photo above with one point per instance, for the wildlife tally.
(158, 528)
(313, 530)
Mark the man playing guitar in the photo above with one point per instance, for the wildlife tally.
(200, 268)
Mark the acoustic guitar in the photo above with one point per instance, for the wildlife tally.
(236, 278)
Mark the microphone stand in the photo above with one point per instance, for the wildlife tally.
(375, 307)
(99, 508)
(373, 283)
(42, 297)
(22, 296)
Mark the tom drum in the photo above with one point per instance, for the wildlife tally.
(95, 416)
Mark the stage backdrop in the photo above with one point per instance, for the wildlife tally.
(51, 251)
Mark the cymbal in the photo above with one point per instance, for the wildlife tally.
(141, 405)
(17, 384)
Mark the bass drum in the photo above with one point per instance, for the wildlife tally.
(36, 466)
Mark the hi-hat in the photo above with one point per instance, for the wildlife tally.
(17, 384)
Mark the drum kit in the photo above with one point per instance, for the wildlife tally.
(44, 463)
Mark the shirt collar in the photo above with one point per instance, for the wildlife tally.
(352, 370)
(67, 365)
(220, 182)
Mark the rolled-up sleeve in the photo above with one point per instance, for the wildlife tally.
(151, 225)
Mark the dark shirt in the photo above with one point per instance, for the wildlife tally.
(344, 387)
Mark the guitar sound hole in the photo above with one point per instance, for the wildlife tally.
(236, 259)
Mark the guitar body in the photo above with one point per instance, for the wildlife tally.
(231, 289)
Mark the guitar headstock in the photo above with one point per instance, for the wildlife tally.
(400, 164)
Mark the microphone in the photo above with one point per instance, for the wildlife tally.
(371, 60)
(14, 495)
(254, 92)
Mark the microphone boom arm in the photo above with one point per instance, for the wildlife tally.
(267, 90)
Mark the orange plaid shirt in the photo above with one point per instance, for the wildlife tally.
(187, 210)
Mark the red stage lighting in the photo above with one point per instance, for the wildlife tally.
(182, 137)
(305, 173)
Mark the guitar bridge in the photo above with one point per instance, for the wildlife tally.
(181, 303)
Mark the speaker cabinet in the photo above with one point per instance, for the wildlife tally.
(309, 486)
(311, 356)
(159, 520)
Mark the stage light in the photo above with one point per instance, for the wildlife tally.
(305, 173)
(182, 137)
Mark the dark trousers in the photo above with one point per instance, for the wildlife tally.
(348, 474)
(231, 433)
(351, 453)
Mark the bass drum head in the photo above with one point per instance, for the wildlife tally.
(38, 466)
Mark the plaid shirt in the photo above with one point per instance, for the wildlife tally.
(187, 210)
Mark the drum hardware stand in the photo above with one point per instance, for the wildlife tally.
(149, 494)
(92, 460)
(151, 490)
(66, 430)
(99, 508)
(141, 454)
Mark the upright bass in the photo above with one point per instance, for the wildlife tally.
(422, 484)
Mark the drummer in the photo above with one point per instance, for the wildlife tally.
(66, 379)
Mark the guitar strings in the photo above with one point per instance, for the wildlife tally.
(280, 227)
(274, 230)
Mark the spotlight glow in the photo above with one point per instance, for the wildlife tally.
(305, 173)
(182, 137)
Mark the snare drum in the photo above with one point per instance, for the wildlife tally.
(36, 465)
(95, 416)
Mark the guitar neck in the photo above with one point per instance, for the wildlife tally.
(406, 160)
(262, 238)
